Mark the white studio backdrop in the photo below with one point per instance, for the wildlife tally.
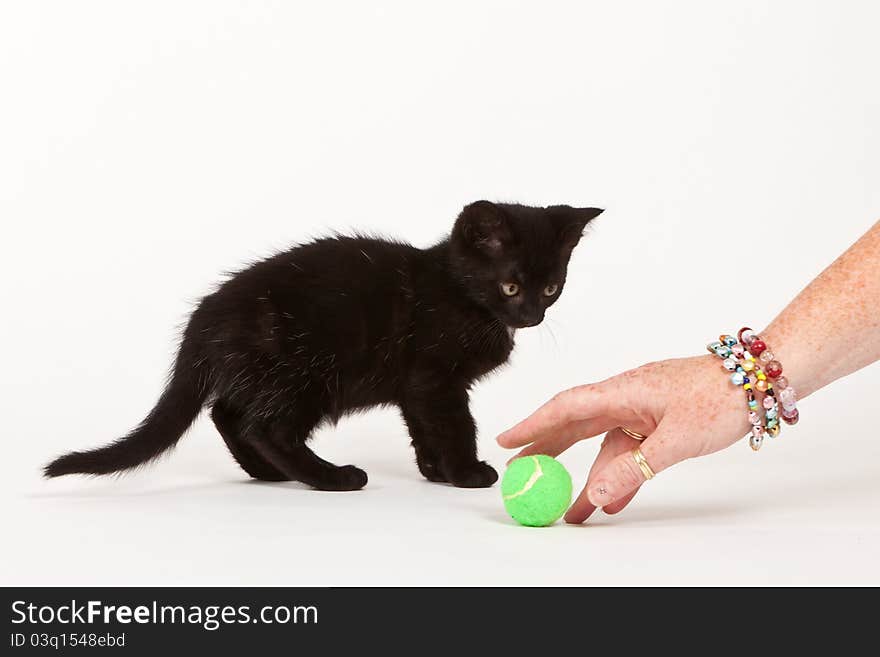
(147, 147)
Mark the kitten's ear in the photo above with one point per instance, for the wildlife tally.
(572, 222)
(484, 226)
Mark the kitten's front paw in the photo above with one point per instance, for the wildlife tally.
(475, 475)
(430, 471)
(346, 477)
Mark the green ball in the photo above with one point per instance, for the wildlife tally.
(536, 490)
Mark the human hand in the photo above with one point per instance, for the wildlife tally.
(686, 407)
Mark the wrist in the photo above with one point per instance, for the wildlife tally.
(800, 360)
(771, 398)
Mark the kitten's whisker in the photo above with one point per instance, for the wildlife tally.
(552, 335)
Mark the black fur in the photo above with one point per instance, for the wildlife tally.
(346, 323)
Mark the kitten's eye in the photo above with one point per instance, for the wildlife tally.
(550, 290)
(509, 289)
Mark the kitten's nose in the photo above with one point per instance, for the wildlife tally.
(531, 319)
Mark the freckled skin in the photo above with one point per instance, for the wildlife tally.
(347, 323)
(832, 328)
(829, 330)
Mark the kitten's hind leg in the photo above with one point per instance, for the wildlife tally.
(284, 446)
(229, 423)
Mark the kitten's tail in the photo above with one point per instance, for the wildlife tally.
(175, 411)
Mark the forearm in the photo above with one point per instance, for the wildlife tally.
(832, 328)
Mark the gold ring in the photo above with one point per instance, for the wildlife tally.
(633, 434)
(642, 463)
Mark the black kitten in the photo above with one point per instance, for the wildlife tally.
(349, 322)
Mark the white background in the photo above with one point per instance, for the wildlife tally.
(147, 147)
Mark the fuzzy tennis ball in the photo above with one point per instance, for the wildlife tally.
(536, 490)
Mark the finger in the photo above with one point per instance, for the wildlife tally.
(622, 476)
(619, 505)
(616, 442)
(568, 436)
(624, 446)
(575, 404)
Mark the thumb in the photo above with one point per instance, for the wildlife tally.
(622, 475)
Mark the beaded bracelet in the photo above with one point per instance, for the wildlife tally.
(743, 367)
(750, 361)
(784, 391)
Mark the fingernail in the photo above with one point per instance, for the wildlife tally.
(599, 495)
